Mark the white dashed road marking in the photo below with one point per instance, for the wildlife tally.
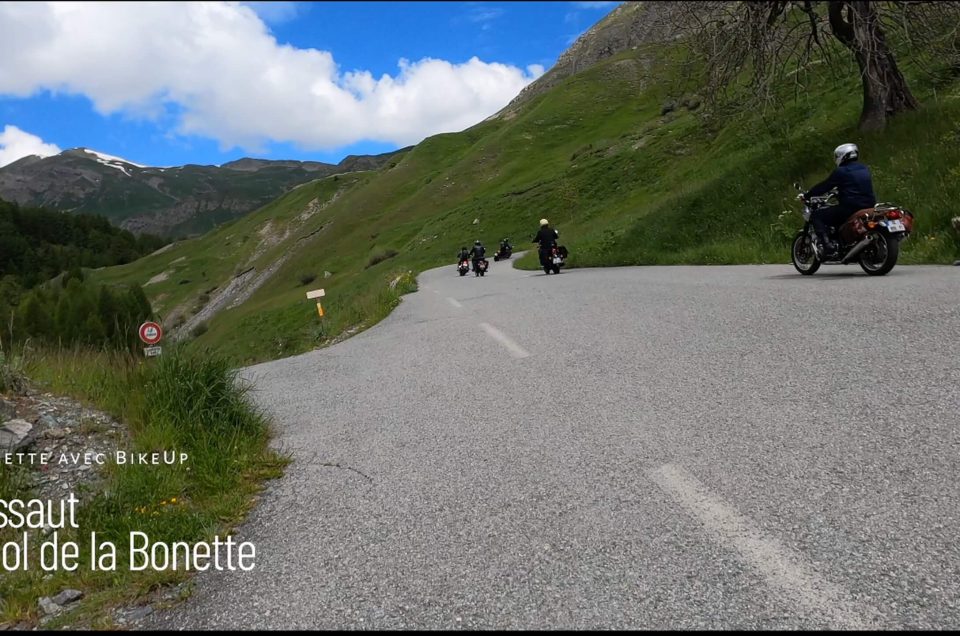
(515, 350)
(783, 569)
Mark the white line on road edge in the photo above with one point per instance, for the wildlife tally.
(454, 302)
(783, 569)
(515, 350)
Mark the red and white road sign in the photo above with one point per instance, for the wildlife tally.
(150, 333)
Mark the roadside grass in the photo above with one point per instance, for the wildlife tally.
(182, 401)
(280, 326)
(721, 193)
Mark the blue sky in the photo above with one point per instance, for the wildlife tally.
(176, 83)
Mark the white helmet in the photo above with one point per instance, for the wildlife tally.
(544, 222)
(845, 152)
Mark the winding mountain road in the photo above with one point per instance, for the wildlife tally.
(661, 447)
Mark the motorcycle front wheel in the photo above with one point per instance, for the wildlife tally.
(804, 254)
(880, 257)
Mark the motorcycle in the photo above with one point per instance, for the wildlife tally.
(480, 267)
(464, 267)
(554, 259)
(503, 254)
(870, 236)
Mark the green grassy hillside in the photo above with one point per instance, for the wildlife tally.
(623, 183)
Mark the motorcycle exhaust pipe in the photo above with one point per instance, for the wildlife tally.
(856, 249)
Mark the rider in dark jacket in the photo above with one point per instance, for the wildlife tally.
(547, 238)
(477, 253)
(854, 192)
(463, 256)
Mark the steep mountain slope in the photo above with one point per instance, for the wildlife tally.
(626, 180)
(629, 26)
(166, 201)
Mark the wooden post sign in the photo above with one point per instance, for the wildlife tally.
(151, 333)
(317, 293)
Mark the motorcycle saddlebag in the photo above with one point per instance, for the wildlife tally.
(562, 250)
(907, 218)
(854, 229)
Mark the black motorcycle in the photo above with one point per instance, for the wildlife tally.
(870, 236)
(504, 253)
(553, 259)
(480, 266)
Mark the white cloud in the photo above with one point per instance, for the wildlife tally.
(16, 144)
(229, 78)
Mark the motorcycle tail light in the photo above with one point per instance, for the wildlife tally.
(894, 214)
(871, 224)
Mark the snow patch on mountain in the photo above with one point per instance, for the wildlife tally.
(113, 165)
(108, 159)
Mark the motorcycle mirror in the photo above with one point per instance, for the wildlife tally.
(797, 186)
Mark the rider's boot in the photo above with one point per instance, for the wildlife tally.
(828, 248)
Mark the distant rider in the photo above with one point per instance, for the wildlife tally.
(505, 246)
(464, 255)
(854, 192)
(477, 254)
(547, 238)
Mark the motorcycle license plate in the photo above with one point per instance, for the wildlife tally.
(557, 260)
(895, 226)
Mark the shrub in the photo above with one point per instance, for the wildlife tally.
(74, 312)
(11, 374)
(199, 330)
(306, 278)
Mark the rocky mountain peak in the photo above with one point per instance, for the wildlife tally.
(628, 26)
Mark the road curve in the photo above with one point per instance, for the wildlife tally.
(654, 447)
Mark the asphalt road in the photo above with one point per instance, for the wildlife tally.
(662, 447)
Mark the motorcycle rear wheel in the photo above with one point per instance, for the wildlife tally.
(879, 258)
(804, 255)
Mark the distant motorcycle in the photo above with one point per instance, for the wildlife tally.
(480, 266)
(464, 267)
(503, 254)
(871, 236)
(554, 259)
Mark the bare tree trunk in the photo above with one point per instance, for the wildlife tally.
(885, 90)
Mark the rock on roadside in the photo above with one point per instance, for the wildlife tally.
(67, 596)
(16, 434)
(48, 607)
